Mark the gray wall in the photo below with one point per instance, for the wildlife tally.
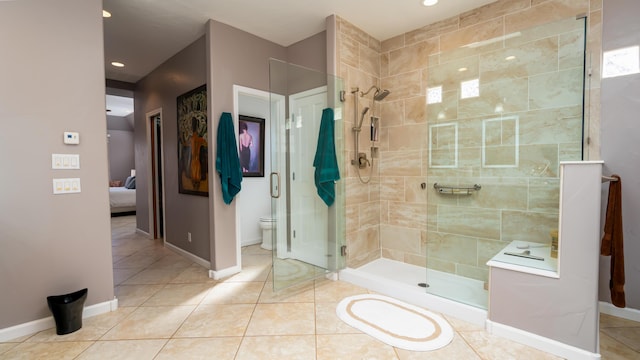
(235, 57)
(184, 213)
(564, 309)
(620, 136)
(52, 81)
(121, 159)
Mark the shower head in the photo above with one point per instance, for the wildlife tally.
(379, 95)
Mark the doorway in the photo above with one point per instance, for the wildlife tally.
(154, 119)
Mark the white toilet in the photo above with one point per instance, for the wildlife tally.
(266, 224)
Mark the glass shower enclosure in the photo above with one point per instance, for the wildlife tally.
(501, 115)
(306, 240)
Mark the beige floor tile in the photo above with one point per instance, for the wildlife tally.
(193, 274)
(609, 321)
(493, 347)
(299, 347)
(457, 349)
(255, 250)
(327, 322)
(49, 350)
(461, 325)
(158, 322)
(282, 319)
(610, 349)
(124, 274)
(256, 260)
(172, 261)
(179, 294)
(299, 293)
(4, 347)
(93, 328)
(223, 348)
(334, 291)
(628, 336)
(353, 346)
(135, 295)
(250, 273)
(123, 349)
(234, 293)
(153, 276)
(216, 320)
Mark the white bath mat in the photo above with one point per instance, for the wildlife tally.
(395, 323)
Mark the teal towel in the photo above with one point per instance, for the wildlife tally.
(325, 161)
(227, 161)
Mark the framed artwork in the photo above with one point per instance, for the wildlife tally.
(193, 167)
(251, 145)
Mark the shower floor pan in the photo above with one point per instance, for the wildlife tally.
(449, 294)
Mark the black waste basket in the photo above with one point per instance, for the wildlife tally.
(67, 311)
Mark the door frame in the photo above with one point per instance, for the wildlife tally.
(153, 217)
(272, 99)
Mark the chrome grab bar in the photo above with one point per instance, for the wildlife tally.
(456, 190)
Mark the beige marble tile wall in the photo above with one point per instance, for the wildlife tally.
(408, 64)
(359, 66)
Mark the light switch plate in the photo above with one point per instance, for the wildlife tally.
(66, 186)
(65, 161)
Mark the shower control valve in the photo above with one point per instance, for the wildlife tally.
(362, 160)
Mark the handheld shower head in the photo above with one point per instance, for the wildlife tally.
(364, 112)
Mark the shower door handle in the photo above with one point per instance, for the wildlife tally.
(275, 194)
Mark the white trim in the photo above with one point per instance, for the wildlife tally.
(625, 313)
(196, 259)
(219, 274)
(150, 177)
(142, 232)
(539, 342)
(32, 327)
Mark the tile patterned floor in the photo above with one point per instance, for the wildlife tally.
(170, 309)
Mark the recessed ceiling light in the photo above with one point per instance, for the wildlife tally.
(429, 2)
(117, 64)
(106, 14)
(509, 58)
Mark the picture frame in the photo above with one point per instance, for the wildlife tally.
(251, 145)
(193, 167)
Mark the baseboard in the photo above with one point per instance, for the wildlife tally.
(251, 242)
(32, 327)
(219, 274)
(625, 313)
(196, 259)
(142, 232)
(539, 342)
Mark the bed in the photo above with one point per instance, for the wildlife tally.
(122, 199)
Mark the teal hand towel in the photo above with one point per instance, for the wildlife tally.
(227, 161)
(325, 161)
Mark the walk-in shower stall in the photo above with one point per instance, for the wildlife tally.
(461, 158)
(474, 162)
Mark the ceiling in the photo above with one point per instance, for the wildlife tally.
(143, 34)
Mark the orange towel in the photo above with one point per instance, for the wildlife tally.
(612, 242)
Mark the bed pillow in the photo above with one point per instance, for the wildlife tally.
(130, 183)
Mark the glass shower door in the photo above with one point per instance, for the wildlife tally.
(502, 114)
(304, 237)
